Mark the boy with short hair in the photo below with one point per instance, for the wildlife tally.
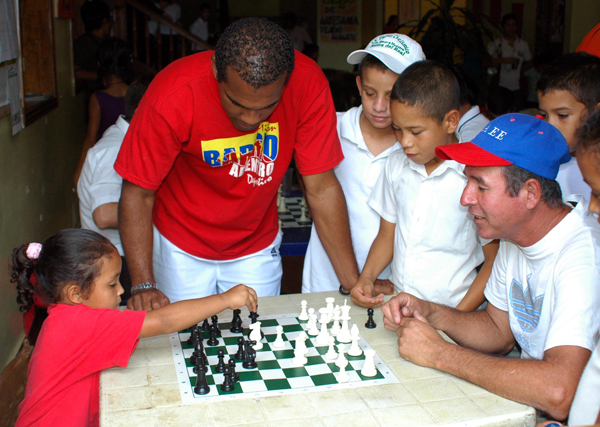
(367, 139)
(428, 236)
(569, 91)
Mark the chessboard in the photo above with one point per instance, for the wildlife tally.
(291, 217)
(275, 374)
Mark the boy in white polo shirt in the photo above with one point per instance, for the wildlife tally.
(429, 237)
(367, 140)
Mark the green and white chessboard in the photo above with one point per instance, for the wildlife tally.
(275, 374)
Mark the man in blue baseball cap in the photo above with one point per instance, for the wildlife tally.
(543, 291)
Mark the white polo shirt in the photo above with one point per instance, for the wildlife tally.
(357, 175)
(470, 124)
(99, 183)
(501, 48)
(436, 246)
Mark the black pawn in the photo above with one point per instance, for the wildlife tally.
(236, 322)
(212, 341)
(228, 384)
(215, 320)
(205, 326)
(220, 366)
(201, 383)
(370, 322)
(253, 316)
(234, 376)
(191, 340)
(240, 352)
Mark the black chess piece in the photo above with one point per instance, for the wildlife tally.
(220, 366)
(250, 355)
(370, 322)
(234, 376)
(253, 316)
(212, 341)
(205, 327)
(240, 355)
(236, 322)
(194, 335)
(228, 384)
(215, 323)
(201, 383)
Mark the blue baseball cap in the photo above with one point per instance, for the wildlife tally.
(513, 139)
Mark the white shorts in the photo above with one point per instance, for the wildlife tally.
(182, 276)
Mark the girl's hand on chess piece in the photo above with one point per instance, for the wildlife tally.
(242, 295)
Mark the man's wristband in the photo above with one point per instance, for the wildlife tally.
(143, 286)
(343, 291)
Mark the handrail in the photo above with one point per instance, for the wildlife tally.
(175, 27)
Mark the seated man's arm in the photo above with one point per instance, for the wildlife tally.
(328, 209)
(106, 216)
(135, 227)
(548, 384)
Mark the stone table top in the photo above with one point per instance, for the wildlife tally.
(146, 392)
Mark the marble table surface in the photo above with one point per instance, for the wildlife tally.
(146, 392)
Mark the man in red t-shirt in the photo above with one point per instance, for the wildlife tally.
(204, 157)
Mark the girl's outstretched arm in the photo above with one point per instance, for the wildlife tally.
(183, 314)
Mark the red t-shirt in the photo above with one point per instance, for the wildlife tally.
(75, 344)
(591, 42)
(217, 186)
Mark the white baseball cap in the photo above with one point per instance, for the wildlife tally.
(396, 51)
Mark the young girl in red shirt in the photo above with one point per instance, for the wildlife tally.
(78, 277)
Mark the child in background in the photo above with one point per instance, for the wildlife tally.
(367, 139)
(499, 101)
(424, 231)
(569, 90)
(115, 73)
(78, 276)
(585, 409)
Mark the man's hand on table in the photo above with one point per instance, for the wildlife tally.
(362, 293)
(403, 305)
(149, 299)
(419, 342)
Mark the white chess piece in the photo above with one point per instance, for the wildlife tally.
(304, 217)
(281, 208)
(330, 301)
(323, 337)
(324, 315)
(255, 335)
(311, 311)
(355, 349)
(281, 227)
(342, 376)
(335, 329)
(314, 330)
(303, 314)
(341, 357)
(303, 338)
(369, 369)
(299, 358)
(331, 353)
(344, 334)
(279, 343)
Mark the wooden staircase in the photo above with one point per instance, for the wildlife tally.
(149, 48)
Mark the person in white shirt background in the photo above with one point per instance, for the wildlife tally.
(200, 27)
(99, 185)
(512, 55)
